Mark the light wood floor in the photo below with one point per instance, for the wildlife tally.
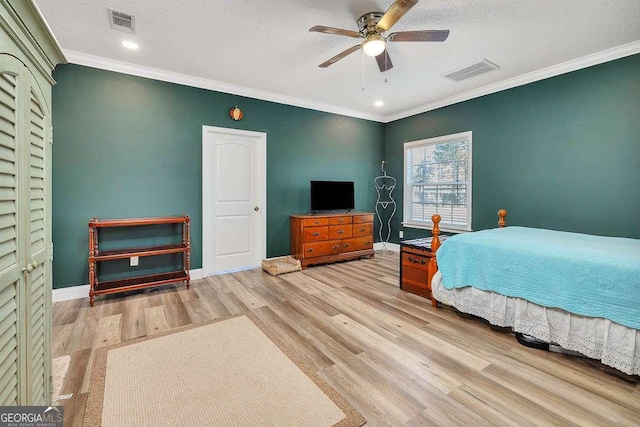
(396, 359)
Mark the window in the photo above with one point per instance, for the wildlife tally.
(437, 179)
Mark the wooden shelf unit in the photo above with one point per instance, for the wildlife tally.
(137, 282)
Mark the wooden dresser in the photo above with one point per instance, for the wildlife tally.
(320, 239)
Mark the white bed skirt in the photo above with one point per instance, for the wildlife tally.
(613, 344)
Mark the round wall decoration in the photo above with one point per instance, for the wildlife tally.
(236, 113)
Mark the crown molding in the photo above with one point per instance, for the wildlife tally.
(102, 63)
(544, 73)
(185, 79)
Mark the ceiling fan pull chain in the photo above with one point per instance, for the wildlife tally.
(386, 62)
(362, 70)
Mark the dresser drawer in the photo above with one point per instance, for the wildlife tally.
(362, 229)
(339, 231)
(414, 276)
(310, 234)
(313, 222)
(358, 219)
(330, 247)
(357, 244)
(339, 220)
(415, 261)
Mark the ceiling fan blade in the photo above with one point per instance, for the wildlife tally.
(394, 13)
(384, 62)
(336, 31)
(339, 56)
(419, 36)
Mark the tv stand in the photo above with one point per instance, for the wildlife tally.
(328, 238)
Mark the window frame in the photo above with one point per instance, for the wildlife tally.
(428, 224)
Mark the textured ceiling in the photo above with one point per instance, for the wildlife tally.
(265, 45)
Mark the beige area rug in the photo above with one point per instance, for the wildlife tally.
(230, 372)
(59, 368)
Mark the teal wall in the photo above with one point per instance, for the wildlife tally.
(131, 147)
(561, 153)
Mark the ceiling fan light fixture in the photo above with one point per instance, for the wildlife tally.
(374, 45)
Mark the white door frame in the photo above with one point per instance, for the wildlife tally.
(208, 204)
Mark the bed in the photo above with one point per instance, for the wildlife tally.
(579, 291)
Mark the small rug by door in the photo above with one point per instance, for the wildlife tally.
(229, 372)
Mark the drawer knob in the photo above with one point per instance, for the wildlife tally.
(341, 220)
(315, 234)
(340, 231)
(346, 245)
(316, 222)
(416, 261)
(367, 243)
(336, 247)
(362, 229)
(309, 250)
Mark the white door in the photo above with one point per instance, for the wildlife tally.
(233, 199)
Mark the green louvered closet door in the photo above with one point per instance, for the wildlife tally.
(25, 294)
(38, 282)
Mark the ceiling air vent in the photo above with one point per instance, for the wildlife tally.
(122, 21)
(472, 70)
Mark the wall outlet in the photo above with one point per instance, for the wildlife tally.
(401, 233)
(133, 261)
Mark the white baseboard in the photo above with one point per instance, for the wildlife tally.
(233, 270)
(195, 274)
(391, 246)
(82, 291)
(72, 292)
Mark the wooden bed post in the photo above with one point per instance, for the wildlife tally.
(432, 267)
(501, 214)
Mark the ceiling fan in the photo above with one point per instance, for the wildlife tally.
(372, 26)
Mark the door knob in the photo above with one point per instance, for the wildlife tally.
(34, 264)
(256, 208)
(28, 268)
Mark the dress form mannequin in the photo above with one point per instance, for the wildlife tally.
(384, 187)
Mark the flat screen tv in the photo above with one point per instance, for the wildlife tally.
(332, 196)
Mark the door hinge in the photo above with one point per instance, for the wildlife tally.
(51, 251)
(51, 134)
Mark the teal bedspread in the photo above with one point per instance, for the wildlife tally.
(588, 275)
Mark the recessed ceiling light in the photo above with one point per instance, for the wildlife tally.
(130, 45)
(378, 103)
